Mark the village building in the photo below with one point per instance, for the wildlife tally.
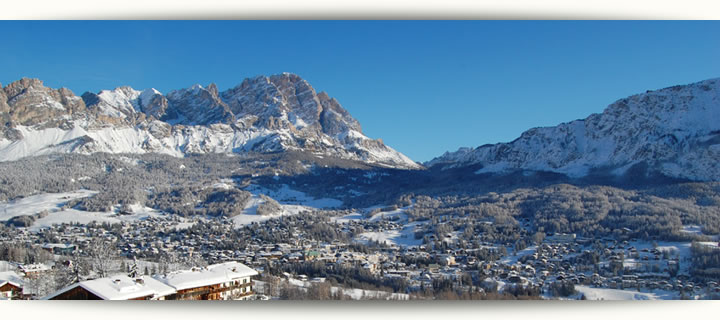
(11, 285)
(224, 281)
(35, 270)
(118, 287)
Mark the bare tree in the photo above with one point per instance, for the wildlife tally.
(103, 258)
(319, 291)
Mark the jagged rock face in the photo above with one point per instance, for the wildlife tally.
(31, 103)
(153, 103)
(6, 130)
(4, 107)
(125, 105)
(262, 114)
(197, 106)
(676, 131)
(278, 101)
(334, 119)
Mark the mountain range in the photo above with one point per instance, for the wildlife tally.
(262, 114)
(674, 132)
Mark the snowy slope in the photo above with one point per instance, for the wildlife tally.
(52, 204)
(676, 131)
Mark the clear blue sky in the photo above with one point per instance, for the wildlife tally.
(423, 87)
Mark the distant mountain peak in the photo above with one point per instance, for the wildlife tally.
(675, 131)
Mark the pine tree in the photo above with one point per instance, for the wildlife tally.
(134, 269)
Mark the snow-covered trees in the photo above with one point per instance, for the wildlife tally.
(102, 257)
(134, 271)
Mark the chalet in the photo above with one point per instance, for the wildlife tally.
(224, 281)
(59, 248)
(11, 285)
(311, 255)
(118, 287)
(33, 271)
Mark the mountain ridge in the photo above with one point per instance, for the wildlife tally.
(262, 114)
(674, 130)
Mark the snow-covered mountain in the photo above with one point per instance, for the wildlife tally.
(674, 131)
(262, 114)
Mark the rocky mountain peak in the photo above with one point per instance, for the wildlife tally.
(29, 102)
(17, 87)
(197, 106)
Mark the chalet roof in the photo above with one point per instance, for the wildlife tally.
(36, 267)
(120, 287)
(58, 245)
(12, 278)
(210, 275)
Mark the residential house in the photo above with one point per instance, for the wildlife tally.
(117, 287)
(11, 285)
(224, 281)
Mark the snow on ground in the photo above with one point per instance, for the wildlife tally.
(53, 203)
(355, 294)
(347, 218)
(7, 266)
(404, 237)
(713, 244)
(41, 202)
(72, 216)
(184, 225)
(694, 229)
(292, 202)
(249, 214)
(512, 259)
(357, 216)
(224, 184)
(84, 217)
(617, 294)
(286, 195)
(400, 213)
(681, 250)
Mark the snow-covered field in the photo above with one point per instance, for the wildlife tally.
(41, 202)
(53, 204)
(404, 237)
(250, 215)
(286, 195)
(617, 294)
(347, 218)
(681, 250)
(292, 202)
(399, 213)
(355, 294)
(513, 258)
(401, 237)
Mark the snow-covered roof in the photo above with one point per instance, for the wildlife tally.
(121, 287)
(210, 275)
(12, 278)
(36, 267)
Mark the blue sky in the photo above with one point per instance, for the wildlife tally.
(424, 87)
